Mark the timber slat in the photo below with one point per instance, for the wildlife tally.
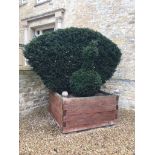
(86, 109)
(90, 116)
(84, 127)
(89, 119)
(71, 103)
(56, 107)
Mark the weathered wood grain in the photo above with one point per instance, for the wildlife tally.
(89, 105)
(80, 113)
(82, 127)
(55, 107)
(90, 117)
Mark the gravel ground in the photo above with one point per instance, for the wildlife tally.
(39, 135)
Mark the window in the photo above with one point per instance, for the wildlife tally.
(23, 1)
(39, 32)
(47, 30)
(41, 1)
(26, 62)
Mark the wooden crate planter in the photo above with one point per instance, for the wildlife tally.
(81, 113)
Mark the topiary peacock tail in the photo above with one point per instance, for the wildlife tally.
(55, 56)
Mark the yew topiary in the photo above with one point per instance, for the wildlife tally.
(55, 56)
(89, 54)
(85, 82)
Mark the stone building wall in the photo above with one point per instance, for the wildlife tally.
(125, 89)
(113, 18)
(32, 92)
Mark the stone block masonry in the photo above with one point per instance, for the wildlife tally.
(125, 89)
(32, 92)
(115, 20)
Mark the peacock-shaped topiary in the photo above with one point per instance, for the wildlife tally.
(86, 81)
(77, 60)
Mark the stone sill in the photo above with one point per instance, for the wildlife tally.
(37, 4)
(25, 68)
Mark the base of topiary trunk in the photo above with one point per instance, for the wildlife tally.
(82, 113)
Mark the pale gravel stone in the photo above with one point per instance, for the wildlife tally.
(39, 135)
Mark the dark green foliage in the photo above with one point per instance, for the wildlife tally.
(56, 55)
(89, 54)
(85, 82)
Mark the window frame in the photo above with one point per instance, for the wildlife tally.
(42, 28)
(22, 2)
(37, 3)
(42, 1)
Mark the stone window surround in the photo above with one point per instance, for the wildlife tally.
(56, 18)
(21, 3)
(40, 3)
(58, 13)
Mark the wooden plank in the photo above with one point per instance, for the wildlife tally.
(87, 110)
(55, 107)
(70, 103)
(81, 105)
(82, 127)
(90, 116)
(89, 119)
(57, 115)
